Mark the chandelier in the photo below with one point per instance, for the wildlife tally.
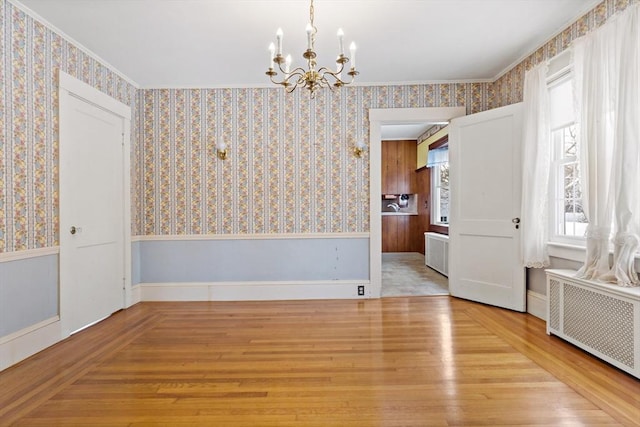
(310, 78)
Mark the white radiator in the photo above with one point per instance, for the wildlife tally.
(599, 318)
(436, 252)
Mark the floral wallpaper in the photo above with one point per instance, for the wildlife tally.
(507, 89)
(30, 55)
(290, 167)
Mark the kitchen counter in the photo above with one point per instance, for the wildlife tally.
(398, 213)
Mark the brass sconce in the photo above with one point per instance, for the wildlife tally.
(359, 148)
(221, 150)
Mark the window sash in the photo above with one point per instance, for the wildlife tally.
(438, 217)
(563, 230)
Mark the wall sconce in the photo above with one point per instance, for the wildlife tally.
(359, 148)
(221, 150)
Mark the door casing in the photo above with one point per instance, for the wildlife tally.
(377, 118)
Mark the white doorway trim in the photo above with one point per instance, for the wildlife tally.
(377, 118)
(71, 87)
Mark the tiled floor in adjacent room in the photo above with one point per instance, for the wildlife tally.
(404, 274)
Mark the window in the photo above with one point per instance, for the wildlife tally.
(568, 221)
(439, 163)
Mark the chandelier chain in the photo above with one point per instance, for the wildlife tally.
(311, 13)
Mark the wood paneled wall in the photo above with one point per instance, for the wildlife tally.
(398, 167)
(400, 233)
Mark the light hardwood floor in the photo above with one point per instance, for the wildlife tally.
(418, 361)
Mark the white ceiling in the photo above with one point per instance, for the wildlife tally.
(391, 132)
(223, 43)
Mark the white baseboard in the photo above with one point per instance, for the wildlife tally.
(136, 294)
(29, 341)
(537, 305)
(253, 291)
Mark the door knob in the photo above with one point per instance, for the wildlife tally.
(516, 220)
(73, 230)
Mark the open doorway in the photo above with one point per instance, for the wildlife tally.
(406, 209)
(399, 273)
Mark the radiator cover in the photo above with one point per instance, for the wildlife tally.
(599, 318)
(437, 252)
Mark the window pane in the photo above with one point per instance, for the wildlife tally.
(444, 193)
(440, 194)
(569, 218)
(561, 100)
(575, 223)
(570, 141)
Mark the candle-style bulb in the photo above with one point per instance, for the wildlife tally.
(272, 50)
(352, 48)
(309, 31)
(340, 41)
(279, 36)
(287, 64)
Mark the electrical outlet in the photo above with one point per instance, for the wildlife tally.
(361, 290)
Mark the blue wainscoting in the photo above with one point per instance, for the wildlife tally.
(28, 292)
(239, 260)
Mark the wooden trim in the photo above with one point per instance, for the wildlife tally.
(27, 342)
(29, 253)
(275, 236)
(255, 290)
(439, 143)
(439, 229)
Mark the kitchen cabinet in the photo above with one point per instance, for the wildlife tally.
(398, 167)
(399, 232)
(396, 233)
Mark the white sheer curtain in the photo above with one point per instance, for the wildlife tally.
(607, 71)
(437, 156)
(536, 166)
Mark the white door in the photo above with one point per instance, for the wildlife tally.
(485, 181)
(91, 213)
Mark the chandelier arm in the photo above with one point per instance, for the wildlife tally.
(339, 70)
(291, 88)
(302, 80)
(282, 82)
(323, 82)
(299, 71)
(353, 77)
(339, 81)
(324, 70)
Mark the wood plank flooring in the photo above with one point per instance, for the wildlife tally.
(417, 361)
